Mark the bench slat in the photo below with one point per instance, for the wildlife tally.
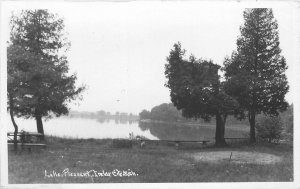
(175, 140)
(28, 144)
(20, 134)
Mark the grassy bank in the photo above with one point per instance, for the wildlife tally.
(160, 162)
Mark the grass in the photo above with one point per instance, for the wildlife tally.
(155, 163)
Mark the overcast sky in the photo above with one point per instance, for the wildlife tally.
(119, 49)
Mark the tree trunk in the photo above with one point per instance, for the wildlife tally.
(252, 126)
(223, 127)
(14, 123)
(39, 123)
(220, 130)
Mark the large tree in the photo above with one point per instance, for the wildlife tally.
(40, 84)
(196, 89)
(256, 71)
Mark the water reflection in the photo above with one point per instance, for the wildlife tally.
(118, 128)
(117, 121)
(85, 128)
(180, 131)
(100, 120)
(167, 131)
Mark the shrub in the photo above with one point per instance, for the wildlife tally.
(269, 128)
(287, 118)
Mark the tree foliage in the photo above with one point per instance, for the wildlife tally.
(196, 89)
(37, 67)
(256, 71)
(144, 114)
(165, 112)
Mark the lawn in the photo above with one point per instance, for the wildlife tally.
(116, 161)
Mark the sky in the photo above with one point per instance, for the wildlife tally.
(119, 49)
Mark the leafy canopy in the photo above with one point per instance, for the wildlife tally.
(195, 86)
(37, 67)
(256, 71)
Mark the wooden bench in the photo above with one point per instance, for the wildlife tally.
(235, 139)
(26, 140)
(204, 142)
(27, 136)
(177, 142)
(29, 146)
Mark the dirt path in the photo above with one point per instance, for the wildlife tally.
(236, 157)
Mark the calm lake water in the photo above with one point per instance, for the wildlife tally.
(100, 129)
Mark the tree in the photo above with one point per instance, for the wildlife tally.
(101, 113)
(196, 89)
(256, 71)
(14, 79)
(18, 66)
(145, 115)
(44, 88)
(165, 112)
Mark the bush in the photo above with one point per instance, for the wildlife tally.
(287, 118)
(269, 128)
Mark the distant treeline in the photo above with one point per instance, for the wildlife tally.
(103, 115)
(167, 112)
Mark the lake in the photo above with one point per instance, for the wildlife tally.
(100, 129)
